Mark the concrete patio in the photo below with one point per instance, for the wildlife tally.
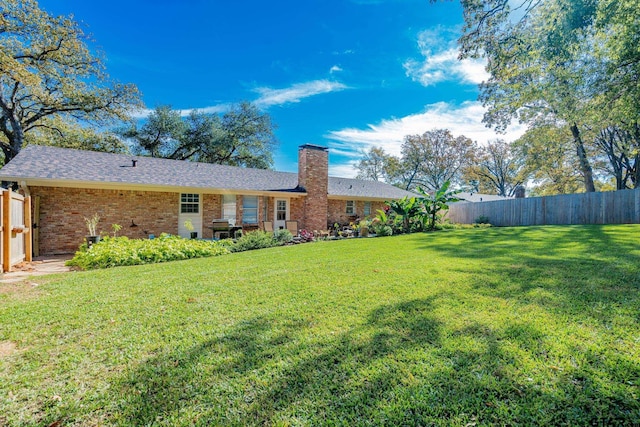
(40, 266)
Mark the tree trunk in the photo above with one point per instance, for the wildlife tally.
(15, 136)
(635, 171)
(585, 167)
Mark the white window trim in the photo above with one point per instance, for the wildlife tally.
(244, 210)
(353, 207)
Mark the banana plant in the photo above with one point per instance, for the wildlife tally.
(438, 201)
(406, 208)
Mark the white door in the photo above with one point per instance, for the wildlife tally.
(281, 213)
(190, 215)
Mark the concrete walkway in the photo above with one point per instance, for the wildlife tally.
(38, 267)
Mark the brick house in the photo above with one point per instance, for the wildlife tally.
(150, 196)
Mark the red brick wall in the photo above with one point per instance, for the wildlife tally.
(337, 211)
(313, 176)
(62, 212)
(296, 211)
(211, 209)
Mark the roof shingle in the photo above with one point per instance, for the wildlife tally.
(45, 163)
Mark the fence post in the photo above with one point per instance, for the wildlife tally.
(6, 228)
(28, 249)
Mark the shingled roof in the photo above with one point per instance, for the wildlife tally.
(54, 166)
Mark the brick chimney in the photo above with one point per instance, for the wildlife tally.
(313, 177)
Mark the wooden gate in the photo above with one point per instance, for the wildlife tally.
(15, 230)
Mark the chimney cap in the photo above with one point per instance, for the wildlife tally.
(313, 147)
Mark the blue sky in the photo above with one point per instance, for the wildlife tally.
(347, 74)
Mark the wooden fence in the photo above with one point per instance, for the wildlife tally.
(614, 207)
(15, 231)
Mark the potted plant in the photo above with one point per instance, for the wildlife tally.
(92, 225)
(364, 228)
(189, 226)
(336, 229)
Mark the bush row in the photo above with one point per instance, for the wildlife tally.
(119, 251)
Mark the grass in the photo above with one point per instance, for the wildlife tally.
(526, 326)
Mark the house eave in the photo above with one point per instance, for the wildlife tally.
(359, 198)
(100, 185)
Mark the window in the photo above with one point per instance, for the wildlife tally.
(229, 207)
(351, 207)
(250, 209)
(281, 210)
(367, 208)
(189, 203)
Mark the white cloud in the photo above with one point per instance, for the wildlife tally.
(335, 69)
(343, 170)
(296, 92)
(465, 119)
(267, 97)
(441, 61)
(212, 109)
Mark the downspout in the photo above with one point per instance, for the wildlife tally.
(25, 189)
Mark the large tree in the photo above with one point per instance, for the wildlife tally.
(549, 61)
(616, 46)
(550, 160)
(497, 169)
(49, 79)
(62, 133)
(621, 149)
(435, 157)
(243, 136)
(373, 165)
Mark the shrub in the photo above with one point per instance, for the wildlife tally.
(282, 236)
(254, 240)
(383, 230)
(482, 219)
(119, 251)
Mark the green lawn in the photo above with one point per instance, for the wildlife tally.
(529, 326)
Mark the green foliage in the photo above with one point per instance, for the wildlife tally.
(427, 160)
(382, 216)
(257, 239)
(436, 156)
(382, 230)
(282, 236)
(437, 202)
(550, 159)
(497, 169)
(381, 224)
(243, 136)
(375, 165)
(119, 251)
(482, 219)
(115, 228)
(59, 132)
(406, 209)
(50, 79)
(571, 64)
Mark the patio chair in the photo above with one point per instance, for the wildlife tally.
(292, 226)
(267, 226)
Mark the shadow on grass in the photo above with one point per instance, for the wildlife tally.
(561, 268)
(397, 368)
